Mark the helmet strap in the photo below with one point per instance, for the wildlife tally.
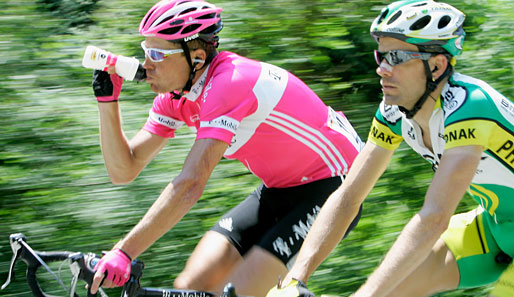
(192, 72)
(431, 85)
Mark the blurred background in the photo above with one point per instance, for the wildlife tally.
(54, 187)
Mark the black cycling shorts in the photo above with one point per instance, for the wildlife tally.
(278, 219)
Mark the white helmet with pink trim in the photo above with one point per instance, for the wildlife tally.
(182, 20)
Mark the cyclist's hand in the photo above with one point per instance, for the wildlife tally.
(295, 288)
(107, 86)
(114, 266)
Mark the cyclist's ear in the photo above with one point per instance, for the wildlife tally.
(438, 64)
(199, 57)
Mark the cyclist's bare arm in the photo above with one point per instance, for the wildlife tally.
(339, 210)
(124, 159)
(457, 168)
(174, 202)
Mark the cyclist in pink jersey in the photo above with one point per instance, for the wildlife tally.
(241, 109)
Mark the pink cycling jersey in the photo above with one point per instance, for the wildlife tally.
(274, 123)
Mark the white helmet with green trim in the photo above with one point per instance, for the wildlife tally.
(432, 26)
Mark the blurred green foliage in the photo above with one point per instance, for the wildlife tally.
(53, 184)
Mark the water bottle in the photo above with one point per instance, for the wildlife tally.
(128, 68)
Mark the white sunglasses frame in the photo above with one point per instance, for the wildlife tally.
(166, 53)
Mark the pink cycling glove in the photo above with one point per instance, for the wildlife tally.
(116, 266)
(107, 86)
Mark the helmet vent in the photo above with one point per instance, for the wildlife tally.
(419, 4)
(394, 17)
(444, 21)
(148, 17)
(191, 28)
(166, 19)
(421, 23)
(382, 16)
(207, 16)
(187, 10)
(210, 30)
(170, 31)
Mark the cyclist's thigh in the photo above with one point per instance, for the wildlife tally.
(210, 264)
(222, 248)
(286, 236)
(469, 239)
(245, 224)
(505, 285)
(259, 271)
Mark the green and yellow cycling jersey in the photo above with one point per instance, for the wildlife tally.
(468, 112)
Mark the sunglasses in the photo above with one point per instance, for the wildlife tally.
(396, 57)
(158, 55)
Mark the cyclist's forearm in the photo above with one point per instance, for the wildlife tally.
(410, 249)
(116, 151)
(173, 203)
(455, 172)
(178, 197)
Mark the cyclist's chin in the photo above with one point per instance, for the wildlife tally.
(391, 99)
(157, 88)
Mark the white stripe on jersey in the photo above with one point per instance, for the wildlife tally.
(305, 141)
(312, 138)
(323, 138)
(222, 122)
(268, 90)
(164, 120)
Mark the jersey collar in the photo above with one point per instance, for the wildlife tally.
(197, 88)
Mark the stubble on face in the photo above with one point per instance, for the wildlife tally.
(402, 84)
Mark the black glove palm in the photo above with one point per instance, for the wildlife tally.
(107, 87)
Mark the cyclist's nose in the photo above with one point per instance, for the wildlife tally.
(148, 64)
(384, 69)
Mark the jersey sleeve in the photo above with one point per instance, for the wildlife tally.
(164, 116)
(228, 99)
(386, 127)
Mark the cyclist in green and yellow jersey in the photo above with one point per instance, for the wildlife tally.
(464, 128)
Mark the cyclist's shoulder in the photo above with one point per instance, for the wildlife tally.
(466, 97)
(389, 114)
(229, 63)
(386, 127)
(232, 74)
(474, 88)
(239, 68)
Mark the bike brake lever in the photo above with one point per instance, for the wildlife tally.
(75, 271)
(16, 249)
(82, 267)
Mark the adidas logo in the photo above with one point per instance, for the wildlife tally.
(226, 224)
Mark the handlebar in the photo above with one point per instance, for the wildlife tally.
(82, 268)
(81, 265)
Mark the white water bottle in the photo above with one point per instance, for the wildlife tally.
(128, 68)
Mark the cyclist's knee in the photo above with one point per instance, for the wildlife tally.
(183, 282)
(188, 281)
